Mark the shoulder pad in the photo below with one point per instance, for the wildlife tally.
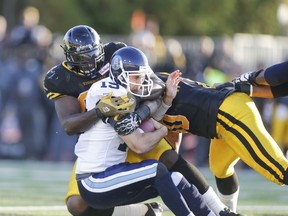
(53, 80)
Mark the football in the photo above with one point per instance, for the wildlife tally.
(147, 125)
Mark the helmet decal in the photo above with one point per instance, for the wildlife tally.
(116, 62)
(85, 47)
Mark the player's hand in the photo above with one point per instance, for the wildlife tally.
(171, 86)
(111, 106)
(248, 78)
(125, 125)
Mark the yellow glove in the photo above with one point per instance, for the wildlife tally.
(111, 106)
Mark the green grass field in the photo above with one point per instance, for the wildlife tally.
(32, 188)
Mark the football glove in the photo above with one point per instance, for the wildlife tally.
(238, 87)
(248, 78)
(111, 106)
(125, 125)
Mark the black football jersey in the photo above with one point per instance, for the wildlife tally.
(195, 108)
(61, 80)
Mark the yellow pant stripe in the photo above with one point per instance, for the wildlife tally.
(253, 145)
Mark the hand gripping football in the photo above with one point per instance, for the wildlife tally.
(147, 125)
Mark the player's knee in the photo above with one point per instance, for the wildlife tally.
(169, 158)
(76, 205)
(221, 172)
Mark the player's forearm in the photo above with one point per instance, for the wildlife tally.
(270, 91)
(152, 139)
(160, 112)
(80, 122)
(144, 142)
(153, 105)
(261, 92)
(70, 116)
(156, 109)
(168, 100)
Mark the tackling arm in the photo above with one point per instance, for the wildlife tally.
(71, 118)
(141, 143)
(74, 121)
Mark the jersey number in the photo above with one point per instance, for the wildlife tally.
(82, 96)
(122, 147)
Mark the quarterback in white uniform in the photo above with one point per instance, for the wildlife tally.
(104, 178)
(98, 148)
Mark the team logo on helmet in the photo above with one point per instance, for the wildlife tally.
(116, 63)
(85, 47)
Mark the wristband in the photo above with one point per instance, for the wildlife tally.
(143, 112)
(98, 113)
(160, 112)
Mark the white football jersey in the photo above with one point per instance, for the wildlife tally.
(100, 147)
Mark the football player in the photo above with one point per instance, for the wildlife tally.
(67, 84)
(104, 178)
(233, 123)
(87, 61)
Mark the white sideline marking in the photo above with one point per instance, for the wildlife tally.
(31, 208)
(262, 207)
(51, 208)
(251, 207)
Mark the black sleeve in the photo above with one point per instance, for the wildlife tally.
(277, 74)
(53, 84)
(280, 90)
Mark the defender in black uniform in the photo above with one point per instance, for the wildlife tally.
(234, 125)
(67, 83)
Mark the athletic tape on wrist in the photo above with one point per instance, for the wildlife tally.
(98, 113)
(158, 115)
(143, 112)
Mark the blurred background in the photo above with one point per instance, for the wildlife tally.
(208, 41)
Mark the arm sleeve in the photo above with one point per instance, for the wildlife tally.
(280, 90)
(277, 74)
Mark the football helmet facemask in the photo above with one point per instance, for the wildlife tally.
(129, 66)
(83, 50)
